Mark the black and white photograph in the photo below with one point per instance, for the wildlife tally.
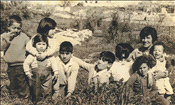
(87, 52)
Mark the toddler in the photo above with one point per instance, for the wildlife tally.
(163, 65)
(40, 77)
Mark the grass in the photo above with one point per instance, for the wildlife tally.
(83, 94)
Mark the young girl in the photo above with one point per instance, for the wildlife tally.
(47, 26)
(40, 78)
(121, 68)
(142, 65)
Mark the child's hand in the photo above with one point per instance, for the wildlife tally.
(30, 76)
(159, 75)
(68, 95)
(138, 53)
(41, 56)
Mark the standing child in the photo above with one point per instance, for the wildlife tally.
(142, 65)
(40, 77)
(121, 68)
(68, 69)
(14, 43)
(163, 65)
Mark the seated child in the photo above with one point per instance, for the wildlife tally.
(40, 78)
(68, 69)
(142, 65)
(121, 68)
(99, 72)
(13, 44)
(163, 65)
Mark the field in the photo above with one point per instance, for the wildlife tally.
(83, 94)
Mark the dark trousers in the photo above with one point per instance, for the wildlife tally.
(18, 80)
(40, 85)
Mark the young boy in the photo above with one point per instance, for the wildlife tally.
(99, 72)
(68, 69)
(14, 43)
(163, 65)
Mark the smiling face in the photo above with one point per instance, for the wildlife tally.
(41, 46)
(65, 56)
(15, 28)
(147, 41)
(143, 69)
(158, 51)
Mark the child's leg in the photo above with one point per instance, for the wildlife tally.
(160, 86)
(168, 87)
(56, 86)
(13, 81)
(22, 81)
(47, 85)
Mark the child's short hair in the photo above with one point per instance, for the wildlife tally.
(66, 47)
(148, 59)
(148, 31)
(123, 48)
(40, 38)
(15, 18)
(157, 43)
(107, 56)
(45, 25)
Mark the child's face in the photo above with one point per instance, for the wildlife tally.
(102, 64)
(41, 46)
(143, 69)
(147, 41)
(52, 32)
(65, 56)
(158, 51)
(15, 28)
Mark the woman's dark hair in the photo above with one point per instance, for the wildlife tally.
(15, 18)
(148, 31)
(148, 59)
(45, 25)
(40, 38)
(123, 48)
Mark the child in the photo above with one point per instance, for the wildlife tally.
(99, 72)
(47, 26)
(40, 77)
(164, 65)
(148, 36)
(68, 69)
(13, 43)
(142, 65)
(121, 68)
